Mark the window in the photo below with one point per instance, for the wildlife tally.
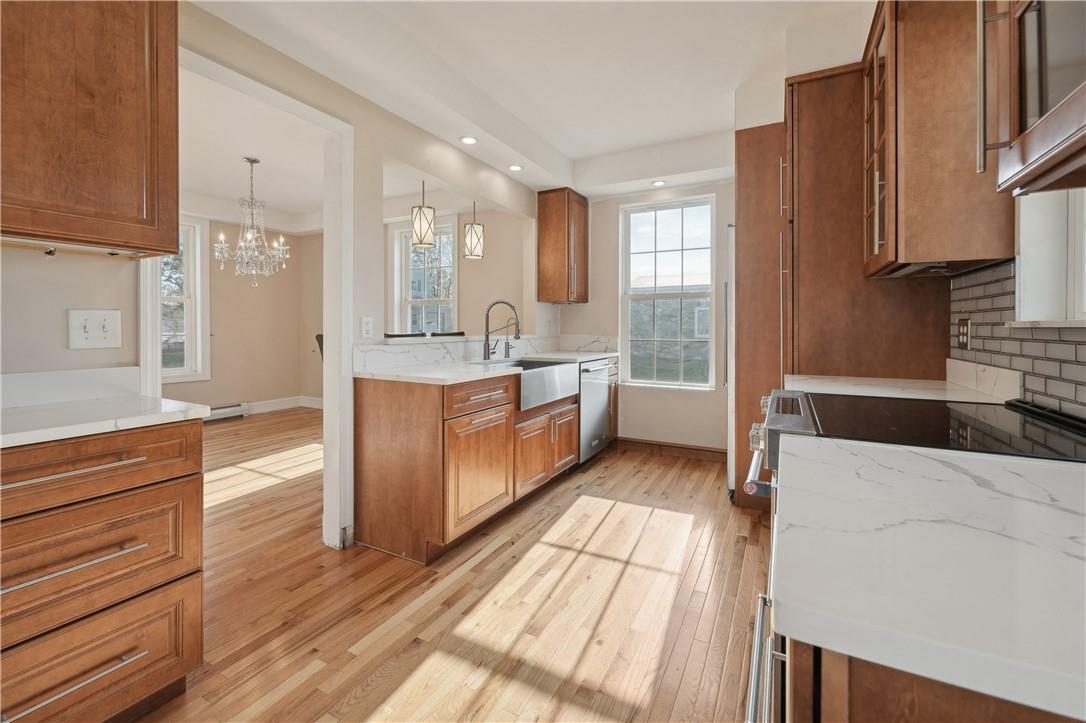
(428, 301)
(668, 293)
(183, 306)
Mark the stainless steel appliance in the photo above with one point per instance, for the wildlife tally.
(541, 382)
(599, 377)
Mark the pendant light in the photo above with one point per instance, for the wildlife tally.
(473, 237)
(422, 223)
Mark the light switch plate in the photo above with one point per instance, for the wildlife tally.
(94, 328)
(367, 327)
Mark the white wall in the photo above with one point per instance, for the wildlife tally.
(378, 134)
(659, 414)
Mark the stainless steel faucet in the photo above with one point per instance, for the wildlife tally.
(486, 325)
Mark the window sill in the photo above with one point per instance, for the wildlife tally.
(181, 377)
(670, 387)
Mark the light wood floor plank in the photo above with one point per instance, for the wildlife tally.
(621, 591)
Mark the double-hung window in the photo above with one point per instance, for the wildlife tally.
(428, 299)
(667, 324)
(183, 308)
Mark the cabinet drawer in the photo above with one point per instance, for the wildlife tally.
(478, 395)
(40, 476)
(60, 565)
(103, 664)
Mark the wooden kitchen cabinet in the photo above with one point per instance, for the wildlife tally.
(544, 447)
(921, 180)
(825, 685)
(563, 247)
(1040, 87)
(478, 468)
(89, 112)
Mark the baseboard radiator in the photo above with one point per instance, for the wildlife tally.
(227, 410)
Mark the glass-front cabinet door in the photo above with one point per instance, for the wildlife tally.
(880, 247)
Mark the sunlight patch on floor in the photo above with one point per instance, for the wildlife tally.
(228, 483)
(574, 631)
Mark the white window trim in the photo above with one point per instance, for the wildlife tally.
(200, 323)
(400, 270)
(1076, 253)
(626, 296)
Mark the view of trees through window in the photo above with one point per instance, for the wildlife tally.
(173, 285)
(431, 283)
(669, 301)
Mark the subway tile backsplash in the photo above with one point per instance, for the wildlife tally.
(1053, 361)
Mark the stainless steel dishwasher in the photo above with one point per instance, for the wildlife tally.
(597, 379)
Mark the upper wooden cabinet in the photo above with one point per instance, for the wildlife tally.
(1040, 61)
(921, 185)
(89, 116)
(563, 247)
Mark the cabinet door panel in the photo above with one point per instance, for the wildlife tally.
(532, 454)
(565, 439)
(478, 468)
(578, 246)
(89, 112)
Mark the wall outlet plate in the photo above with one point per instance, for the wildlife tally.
(964, 336)
(94, 328)
(366, 327)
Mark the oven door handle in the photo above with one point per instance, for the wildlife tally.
(757, 666)
(754, 486)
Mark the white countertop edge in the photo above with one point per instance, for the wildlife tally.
(1056, 324)
(894, 388)
(1043, 689)
(460, 372)
(112, 420)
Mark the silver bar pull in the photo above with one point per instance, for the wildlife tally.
(753, 486)
(75, 568)
(780, 300)
(982, 89)
(489, 418)
(123, 661)
(754, 680)
(72, 473)
(781, 165)
(877, 234)
(488, 395)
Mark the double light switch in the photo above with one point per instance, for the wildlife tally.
(94, 328)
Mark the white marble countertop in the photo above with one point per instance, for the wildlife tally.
(965, 567)
(876, 387)
(458, 372)
(63, 420)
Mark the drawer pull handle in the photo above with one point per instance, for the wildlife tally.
(122, 662)
(72, 472)
(489, 418)
(75, 568)
(488, 395)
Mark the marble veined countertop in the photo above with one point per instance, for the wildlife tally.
(965, 567)
(62, 420)
(458, 372)
(876, 387)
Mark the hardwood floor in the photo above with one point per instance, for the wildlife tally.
(622, 591)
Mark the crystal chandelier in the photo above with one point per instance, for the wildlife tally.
(254, 255)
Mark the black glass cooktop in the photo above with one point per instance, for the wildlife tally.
(994, 428)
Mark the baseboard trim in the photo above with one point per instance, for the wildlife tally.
(275, 405)
(675, 450)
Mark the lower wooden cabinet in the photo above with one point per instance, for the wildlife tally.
(106, 663)
(478, 468)
(828, 686)
(545, 446)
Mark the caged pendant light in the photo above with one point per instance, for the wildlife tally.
(422, 223)
(473, 237)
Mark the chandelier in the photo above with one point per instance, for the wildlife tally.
(254, 255)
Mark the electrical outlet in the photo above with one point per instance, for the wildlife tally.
(94, 328)
(367, 327)
(964, 333)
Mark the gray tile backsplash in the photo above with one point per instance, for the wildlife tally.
(1053, 360)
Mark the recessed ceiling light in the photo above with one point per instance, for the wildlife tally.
(659, 183)
(516, 167)
(469, 140)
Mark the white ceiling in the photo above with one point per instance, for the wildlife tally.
(220, 125)
(541, 84)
